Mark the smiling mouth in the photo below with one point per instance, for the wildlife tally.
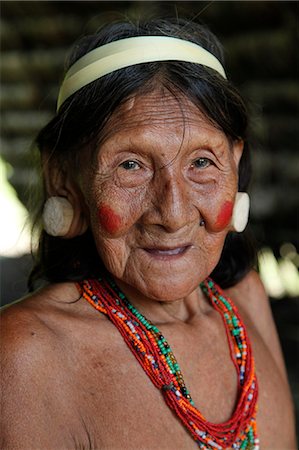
(166, 252)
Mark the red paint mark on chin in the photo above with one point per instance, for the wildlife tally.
(225, 214)
(109, 220)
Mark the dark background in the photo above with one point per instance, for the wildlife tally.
(261, 47)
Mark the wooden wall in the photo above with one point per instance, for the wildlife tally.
(261, 47)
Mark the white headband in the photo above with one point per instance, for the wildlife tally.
(127, 52)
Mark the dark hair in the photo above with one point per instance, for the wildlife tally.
(83, 116)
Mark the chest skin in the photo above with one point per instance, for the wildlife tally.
(118, 407)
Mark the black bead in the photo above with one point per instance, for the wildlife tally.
(167, 387)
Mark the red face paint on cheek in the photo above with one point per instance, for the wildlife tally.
(225, 214)
(109, 220)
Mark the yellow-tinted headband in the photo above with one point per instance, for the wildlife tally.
(127, 52)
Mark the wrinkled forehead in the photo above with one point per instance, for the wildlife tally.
(158, 109)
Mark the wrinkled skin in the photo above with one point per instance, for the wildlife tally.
(161, 168)
(70, 381)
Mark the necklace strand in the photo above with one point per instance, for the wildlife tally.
(154, 354)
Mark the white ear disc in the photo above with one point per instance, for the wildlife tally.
(57, 216)
(240, 212)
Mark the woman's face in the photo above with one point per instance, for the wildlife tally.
(161, 168)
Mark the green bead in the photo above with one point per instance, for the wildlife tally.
(244, 443)
(168, 360)
(235, 321)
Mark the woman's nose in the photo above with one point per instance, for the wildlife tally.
(172, 206)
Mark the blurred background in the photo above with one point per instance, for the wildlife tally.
(261, 46)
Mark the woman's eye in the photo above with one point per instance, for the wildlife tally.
(201, 163)
(130, 165)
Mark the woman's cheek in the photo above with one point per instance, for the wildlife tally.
(224, 216)
(111, 221)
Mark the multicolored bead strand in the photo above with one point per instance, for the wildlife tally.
(158, 361)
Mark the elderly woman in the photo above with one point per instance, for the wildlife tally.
(132, 343)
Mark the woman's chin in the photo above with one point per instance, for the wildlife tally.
(161, 277)
(164, 289)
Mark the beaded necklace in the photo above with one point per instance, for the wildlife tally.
(154, 354)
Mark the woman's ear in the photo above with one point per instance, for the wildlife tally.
(60, 182)
(238, 146)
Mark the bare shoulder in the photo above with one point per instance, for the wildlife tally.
(250, 297)
(40, 327)
(24, 327)
(35, 389)
(35, 319)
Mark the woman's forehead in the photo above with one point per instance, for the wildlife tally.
(159, 108)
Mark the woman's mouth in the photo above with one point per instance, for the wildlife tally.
(167, 252)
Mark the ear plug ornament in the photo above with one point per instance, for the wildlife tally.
(57, 216)
(240, 212)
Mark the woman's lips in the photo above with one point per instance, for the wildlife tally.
(167, 252)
